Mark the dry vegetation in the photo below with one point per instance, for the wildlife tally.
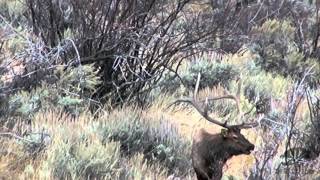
(85, 86)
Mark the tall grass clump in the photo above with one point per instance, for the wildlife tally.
(71, 150)
(122, 144)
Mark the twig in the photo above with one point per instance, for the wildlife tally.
(16, 136)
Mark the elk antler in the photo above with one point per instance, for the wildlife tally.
(204, 111)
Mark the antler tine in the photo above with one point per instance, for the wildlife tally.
(236, 97)
(204, 111)
(197, 86)
(240, 115)
(248, 125)
(253, 106)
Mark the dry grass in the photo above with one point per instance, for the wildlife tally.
(77, 147)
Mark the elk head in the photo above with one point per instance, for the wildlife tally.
(235, 142)
(211, 151)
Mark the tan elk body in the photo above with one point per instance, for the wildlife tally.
(211, 151)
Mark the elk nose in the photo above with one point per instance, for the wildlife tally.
(251, 147)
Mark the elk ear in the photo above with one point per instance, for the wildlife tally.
(224, 133)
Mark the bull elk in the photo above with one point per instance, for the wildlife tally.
(211, 151)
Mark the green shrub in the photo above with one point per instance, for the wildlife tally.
(212, 75)
(279, 53)
(157, 139)
(12, 10)
(83, 159)
(260, 86)
(70, 92)
(169, 83)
